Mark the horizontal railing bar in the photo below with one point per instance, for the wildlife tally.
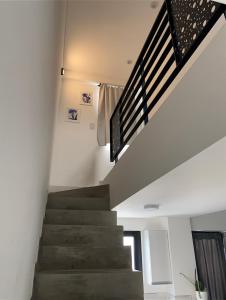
(153, 88)
(175, 72)
(150, 107)
(146, 58)
(150, 64)
(150, 78)
(168, 81)
(144, 49)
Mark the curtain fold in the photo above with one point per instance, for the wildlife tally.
(211, 264)
(225, 242)
(108, 98)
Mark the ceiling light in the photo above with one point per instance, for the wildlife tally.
(154, 4)
(151, 207)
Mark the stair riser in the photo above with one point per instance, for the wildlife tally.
(78, 203)
(93, 237)
(71, 217)
(108, 286)
(62, 258)
(96, 191)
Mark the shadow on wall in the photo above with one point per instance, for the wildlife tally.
(87, 177)
(102, 163)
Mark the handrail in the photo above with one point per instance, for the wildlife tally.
(176, 34)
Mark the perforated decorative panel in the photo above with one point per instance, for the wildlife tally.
(189, 18)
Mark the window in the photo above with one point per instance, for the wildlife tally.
(133, 239)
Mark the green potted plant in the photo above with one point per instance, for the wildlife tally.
(200, 290)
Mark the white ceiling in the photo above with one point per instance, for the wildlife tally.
(102, 35)
(221, 1)
(196, 187)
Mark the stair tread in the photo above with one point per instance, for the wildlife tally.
(92, 190)
(86, 271)
(81, 234)
(57, 257)
(79, 211)
(73, 245)
(83, 226)
(84, 248)
(62, 197)
(89, 286)
(78, 202)
(80, 217)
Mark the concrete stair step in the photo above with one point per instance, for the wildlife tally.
(57, 257)
(119, 285)
(94, 191)
(79, 271)
(80, 217)
(89, 235)
(78, 203)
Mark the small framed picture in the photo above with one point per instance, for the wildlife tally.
(72, 114)
(87, 99)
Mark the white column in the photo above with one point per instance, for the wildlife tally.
(182, 255)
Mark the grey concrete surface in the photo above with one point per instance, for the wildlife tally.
(78, 203)
(80, 217)
(122, 285)
(81, 255)
(94, 191)
(90, 235)
(58, 257)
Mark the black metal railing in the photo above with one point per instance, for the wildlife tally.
(177, 32)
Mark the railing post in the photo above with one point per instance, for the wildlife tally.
(111, 141)
(121, 129)
(144, 95)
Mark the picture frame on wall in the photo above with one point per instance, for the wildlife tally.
(86, 98)
(72, 114)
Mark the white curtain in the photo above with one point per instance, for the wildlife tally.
(108, 98)
(225, 241)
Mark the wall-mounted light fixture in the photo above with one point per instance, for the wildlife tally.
(62, 71)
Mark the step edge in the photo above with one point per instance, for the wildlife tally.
(113, 227)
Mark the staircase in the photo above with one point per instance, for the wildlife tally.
(81, 256)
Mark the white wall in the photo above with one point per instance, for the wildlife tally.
(102, 163)
(77, 159)
(156, 243)
(210, 222)
(182, 255)
(29, 42)
(141, 224)
(96, 50)
(173, 135)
